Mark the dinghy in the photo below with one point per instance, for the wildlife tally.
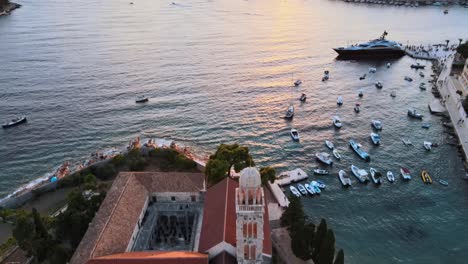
(372, 70)
(321, 184)
(362, 77)
(375, 138)
(417, 66)
(390, 176)
(379, 84)
(409, 79)
(309, 189)
(321, 171)
(421, 74)
(376, 124)
(414, 114)
(314, 185)
(303, 97)
(336, 154)
(376, 176)
(426, 125)
(339, 101)
(356, 108)
(302, 189)
(427, 145)
(361, 175)
(358, 150)
(15, 121)
(388, 65)
(297, 83)
(407, 142)
(426, 178)
(344, 178)
(443, 182)
(361, 93)
(405, 173)
(294, 134)
(337, 122)
(422, 86)
(324, 158)
(141, 99)
(294, 191)
(290, 112)
(329, 144)
(393, 93)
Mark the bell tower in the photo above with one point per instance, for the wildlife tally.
(250, 204)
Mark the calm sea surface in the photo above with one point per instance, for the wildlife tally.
(221, 71)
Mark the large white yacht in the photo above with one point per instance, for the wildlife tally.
(375, 48)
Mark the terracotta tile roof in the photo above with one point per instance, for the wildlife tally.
(152, 257)
(114, 223)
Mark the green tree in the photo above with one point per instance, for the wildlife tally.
(90, 181)
(23, 232)
(267, 174)
(463, 49)
(215, 170)
(294, 214)
(339, 259)
(319, 238)
(327, 249)
(40, 228)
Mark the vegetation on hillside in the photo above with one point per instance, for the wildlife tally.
(307, 240)
(268, 174)
(4, 3)
(463, 49)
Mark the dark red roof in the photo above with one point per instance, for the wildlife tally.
(153, 257)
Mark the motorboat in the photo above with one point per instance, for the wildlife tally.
(426, 178)
(446, 11)
(309, 189)
(344, 178)
(361, 175)
(393, 93)
(417, 66)
(326, 76)
(315, 186)
(321, 171)
(409, 79)
(377, 124)
(324, 158)
(297, 82)
(290, 112)
(339, 101)
(336, 154)
(414, 114)
(15, 121)
(302, 189)
(407, 142)
(389, 64)
(329, 144)
(363, 77)
(427, 145)
(356, 108)
(303, 97)
(443, 182)
(426, 125)
(141, 99)
(380, 47)
(405, 173)
(421, 74)
(372, 70)
(361, 93)
(375, 138)
(361, 153)
(379, 84)
(294, 134)
(321, 184)
(390, 176)
(422, 86)
(294, 191)
(337, 122)
(376, 176)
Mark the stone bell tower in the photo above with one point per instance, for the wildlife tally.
(250, 204)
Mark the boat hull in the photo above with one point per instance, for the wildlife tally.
(14, 124)
(369, 54)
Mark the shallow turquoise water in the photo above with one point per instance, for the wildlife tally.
(221, 71)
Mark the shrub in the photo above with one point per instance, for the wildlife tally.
(119, 161)
(137, 165)
(104, 172)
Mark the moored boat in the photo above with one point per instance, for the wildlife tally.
(15, 121)
(344, 178)
(421, 74)
(379, 84)
(407, 142)
(141, 99)
(309, 189)
(414, 114)
(336, 154)
(372, 70)
(302, 189)
(329, 144)
(361, 175)
(337, 122)
(362, 77)
(315, 186)
(405, 173)
(339, 101)
(357, 108)
(361, 153)
(377, 48)
(390, 176)
(303, 97)
(294, 191)
(376, 176)
(290, 112)
(324, 158)
(393, 93)
(361, 93)
(426, 178)
(326, 76)
(376, 124)
(409, 79)
(417, 66)
(375, 138)
(321, 184)
(297, 82)
(389, 64)
(321, 171)
(294, 134)
(443, 182)
(427, 145)
(422, 86)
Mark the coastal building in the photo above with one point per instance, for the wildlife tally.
(160, 217)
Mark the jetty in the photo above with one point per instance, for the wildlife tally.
(289, 177)
(436, 107)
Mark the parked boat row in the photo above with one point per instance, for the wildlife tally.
(314, 187)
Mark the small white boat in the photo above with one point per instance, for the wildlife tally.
(427, 145)
(361, 93)
(329, 144)
(377, 124)
(362, 77)
(344, 178)
(321, 184)
(443, 182)
(422, 86)
(407, 142)
(405, 173)
(393, 93)
(379, 84)
(361, 175)
(357, 108)
(421, 74)
(376, 176)
(409, 79)
(309, 189)
(324, 158)
(321, 171)
(339, 101)
(315, 186)
(390, 176)
(294, 191)
(337, 122)
(388, 65)
(294, 134)
(303, 97)
(302, 189)
(414, 114)
(357, 148)
(15, 121)
(375, 138)
(297, 82)
(372, 70)
(290, 112)
(336, 154)
(141, 99)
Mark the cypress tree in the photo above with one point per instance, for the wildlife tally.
(327, 249)
(339, 257)
(319, 237)
(41, 231)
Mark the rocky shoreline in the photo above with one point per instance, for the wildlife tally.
(411, 3)
(6, 10)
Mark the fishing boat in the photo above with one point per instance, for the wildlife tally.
(407, 142)
(426, 125)
(409, 79)
(443, 182)
(294, 134)
(324, 158)
(405, 173)
(141, 99)
(362, 77)
(357, 109)
(390, 176)
(290, 112)
(329, 144)
(326, 76)
(294, 191)
(421, 74)
(422, 86)
(303, 97)
(379, 84)
(315, 186)
(344, 178)
(339, 101)
(393, 93)
(361, 175)
(337, 122)
(389, 64)
(321, 184)
(321, 171)
(336, 154)
(426, 178)
(427, 145)
(375, 138)
(361, 153)
(372, 70)
(302, 189)
(417, 66)
(377, 48)
(309, 189)
(297, 83)
(376, 124)
(15, 121)
(376, 176)
(361, 93)
(414, 114)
